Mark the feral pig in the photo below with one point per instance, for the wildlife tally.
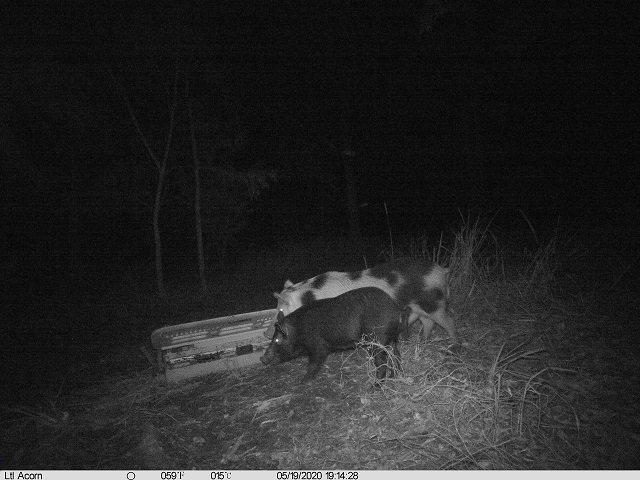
(333, 324)
(418, 284)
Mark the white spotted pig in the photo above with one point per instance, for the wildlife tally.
(416, 283)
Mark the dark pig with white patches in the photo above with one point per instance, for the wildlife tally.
(416, 283)
(329, 325)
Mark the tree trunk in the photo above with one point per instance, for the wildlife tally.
(348, 154)
(156, 230)
(73, 224)
(348, 22)
(197, 199)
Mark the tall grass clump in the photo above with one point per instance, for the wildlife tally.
(472, 256)
(474, 259)
(546, 260)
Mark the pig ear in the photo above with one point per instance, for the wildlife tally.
(288, 284)
(277, 295)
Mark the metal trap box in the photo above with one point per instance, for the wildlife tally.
(217, 344)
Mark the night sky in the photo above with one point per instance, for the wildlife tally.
(447, 106)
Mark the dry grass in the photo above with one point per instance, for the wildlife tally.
(536, 387)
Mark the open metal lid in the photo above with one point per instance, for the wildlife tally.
(214, 327)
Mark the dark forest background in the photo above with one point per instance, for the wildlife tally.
(309, 119)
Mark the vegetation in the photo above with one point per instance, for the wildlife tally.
(538, 385)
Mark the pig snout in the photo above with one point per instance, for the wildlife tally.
(268, 357)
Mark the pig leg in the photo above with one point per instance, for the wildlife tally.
(427, 326)
(443, 319)
(316, 360)
(381, 361)
(396, 360)
(269, 356)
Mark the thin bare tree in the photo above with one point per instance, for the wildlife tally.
(197, 193)
(160, 163)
